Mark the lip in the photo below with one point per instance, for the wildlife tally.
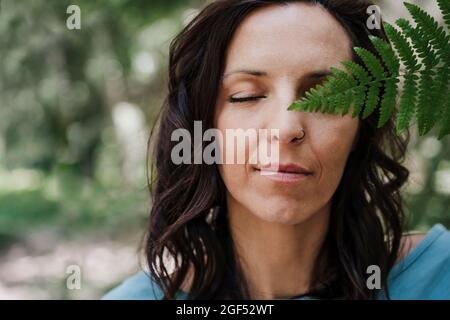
(284, 168)
(285, 173)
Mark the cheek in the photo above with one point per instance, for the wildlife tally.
(238, 139)
(236, 177)
(331, 147)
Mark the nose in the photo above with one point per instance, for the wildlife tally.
(289, 125)
(295, 136)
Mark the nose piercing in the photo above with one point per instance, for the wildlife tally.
(303, 134)
(296, 138)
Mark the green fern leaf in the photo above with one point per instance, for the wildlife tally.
(388, 102)
(359, 101)
(424, 50)
(407, 103)
(444, 6)
(405, 51)
(437, 37)
(372, 63)
(358, 94)
(393, 66)
(445, 124)
(376, 69)
(331, 104)
(429, 59)
(430, 29)
(347, 102)
(357, 71)
(371, 100)
(387, 54)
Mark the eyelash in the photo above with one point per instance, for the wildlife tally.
(245, 99)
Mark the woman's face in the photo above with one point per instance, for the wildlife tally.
(276, 55)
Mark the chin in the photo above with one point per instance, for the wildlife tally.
(283, 215)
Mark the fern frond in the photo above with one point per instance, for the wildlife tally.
(377, 71)
(405, 51)
(373, 97)
(358, 94)
(387, 54)
(424, 50)
(407, 103)
(372, 63)
(444, 6)
(430, 29)
(440, 41)
(445, 124)
(393, 66)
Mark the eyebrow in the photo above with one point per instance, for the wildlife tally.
(257, 73)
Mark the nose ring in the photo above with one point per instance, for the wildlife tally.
(296, 138)
(303, 134)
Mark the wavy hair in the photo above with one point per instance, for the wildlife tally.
(188, 218)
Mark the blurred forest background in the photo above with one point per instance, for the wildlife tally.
(76, 109)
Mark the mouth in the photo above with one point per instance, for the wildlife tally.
(287, 173)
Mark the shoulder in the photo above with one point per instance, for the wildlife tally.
(137, 287)
(409, 242)
(424, 270)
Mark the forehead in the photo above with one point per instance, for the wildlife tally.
(297, 36)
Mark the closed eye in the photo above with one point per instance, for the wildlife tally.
(244, 99)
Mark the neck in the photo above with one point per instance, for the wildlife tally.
(277, 259)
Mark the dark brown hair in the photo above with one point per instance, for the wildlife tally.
(367, 215)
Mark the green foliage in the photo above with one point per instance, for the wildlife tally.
(70, 205)
(423, 49)
(58, 87)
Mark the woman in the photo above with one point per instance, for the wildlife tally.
(329, 219)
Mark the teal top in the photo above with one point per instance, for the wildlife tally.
(423, 274)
